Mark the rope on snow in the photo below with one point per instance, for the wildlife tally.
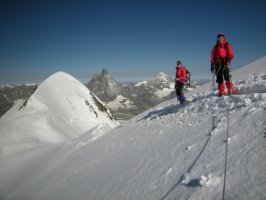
(226, 148)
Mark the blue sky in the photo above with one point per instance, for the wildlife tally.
(133, 40)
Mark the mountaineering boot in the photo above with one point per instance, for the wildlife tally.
(221, 90)
(183, 98)
(179, 99)
(229, 86)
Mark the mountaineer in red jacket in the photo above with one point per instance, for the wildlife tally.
(180, 81)
(221, 56)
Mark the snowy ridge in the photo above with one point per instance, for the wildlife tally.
(171, 151)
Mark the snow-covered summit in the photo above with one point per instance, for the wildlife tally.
(161, 80)
(163, 76)
(61, 108)
(162, 85)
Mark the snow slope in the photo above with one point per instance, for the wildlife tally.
(148, 156)
(61, 108)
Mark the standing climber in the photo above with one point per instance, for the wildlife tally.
(221, 56)
(180, 81)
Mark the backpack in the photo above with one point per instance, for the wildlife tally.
(188, 75)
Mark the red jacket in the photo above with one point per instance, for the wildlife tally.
(219, 52)
(181, 74)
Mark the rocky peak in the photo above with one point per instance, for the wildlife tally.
(104, 72)
(104, 86)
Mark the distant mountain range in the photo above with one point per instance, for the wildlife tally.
(124, 101)
(9, 94)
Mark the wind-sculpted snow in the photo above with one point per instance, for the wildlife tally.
(171, 151)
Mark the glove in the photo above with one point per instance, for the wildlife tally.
(212, 67)
(227, 58)
(177, 79)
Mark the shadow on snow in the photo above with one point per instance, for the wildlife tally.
(162, 112)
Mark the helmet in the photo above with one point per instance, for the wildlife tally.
(221, 34)
(178, 62)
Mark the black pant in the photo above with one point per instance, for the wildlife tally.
(222, 72)
(179, 88)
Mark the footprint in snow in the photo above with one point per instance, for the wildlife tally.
(228, 140)
(169, 171)
(189, 147)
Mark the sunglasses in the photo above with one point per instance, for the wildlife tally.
(221, 38)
